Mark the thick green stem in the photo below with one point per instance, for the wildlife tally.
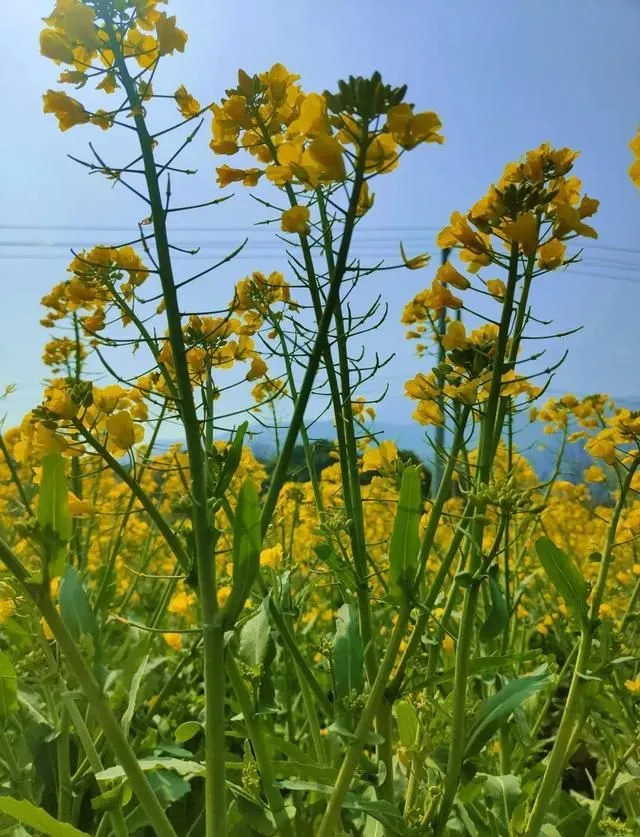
(464, 645)
(214, 677)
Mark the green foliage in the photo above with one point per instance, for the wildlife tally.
(8, 688)
(54, 516)
(30, 815)
(347, 654)
(496, 710)
(247, 543)
(565, 577)
(404, 543)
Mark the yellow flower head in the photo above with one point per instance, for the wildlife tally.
(296, 220)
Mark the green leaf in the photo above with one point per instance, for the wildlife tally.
(348, 653)
(281, 745)
(169, 787)
(379, 809)
(34, 817)
(624, 779)
(493, 664)
(8, 688)
(565, 577)
(343, 571)
(75, 608)
(133, 695)
(504, 792)
(112, 799)
(247, 544)
(256, 816)
(181, 766)
(407, 723)
(404, 544)
(312, 772)
(54, 516)
(255, 636)
(494, 711)
(498, 615)
(187, 731)
(232, 460)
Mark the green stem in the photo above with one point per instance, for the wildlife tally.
(254, 730)
(102, 713)
(214, 676)
(173, 542)
(425, 550)
(312, 718)
(466, 632)
(63, 758)
(349, 461)
(333, 297)
(629, 612)
(374, 701)
(15, 771)
(11, 465)
(608, 787)
(559, 753)
(107, 574)
(415, 772)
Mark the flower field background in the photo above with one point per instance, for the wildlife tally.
(344, 639)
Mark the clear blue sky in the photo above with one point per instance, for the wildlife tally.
(503, 76)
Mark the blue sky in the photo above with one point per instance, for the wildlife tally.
(503, 76)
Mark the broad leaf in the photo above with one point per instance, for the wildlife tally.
(494, 711)
(348, 653)
(404, 544)
(497, 616)
(504, 792)
(255, 636)
(187, 730)
(312, 772)
(75, 608)
(169, 787)
(247, 543)
(565, 577)
(624, 779)
(34, 817)
(54, 516)
(180, 766)
(8, 688)
(407, 723)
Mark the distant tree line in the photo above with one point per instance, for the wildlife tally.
(298, 471)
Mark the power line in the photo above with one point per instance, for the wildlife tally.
(279, 255)
(266, 229)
